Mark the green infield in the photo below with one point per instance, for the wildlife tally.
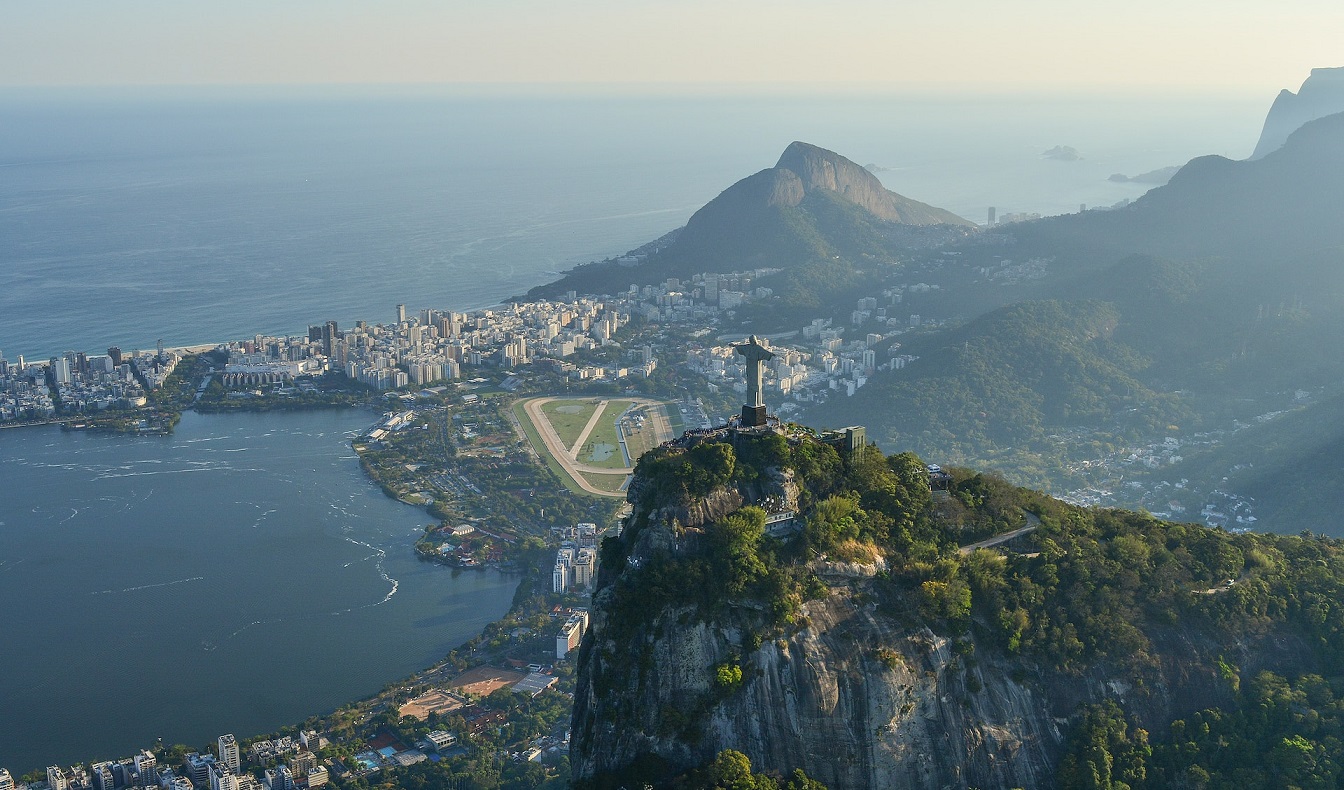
(602, 446)
(612, 483)
(569, 417)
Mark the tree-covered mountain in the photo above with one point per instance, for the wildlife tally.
(1220, 292)
(877, 646)
(813, 209)
(1008, 379)
(1282, 203)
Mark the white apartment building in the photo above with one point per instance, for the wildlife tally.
(228, 753)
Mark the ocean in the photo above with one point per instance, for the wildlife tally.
(131, 216)
(280, 582)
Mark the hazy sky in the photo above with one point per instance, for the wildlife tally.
(1236, 44)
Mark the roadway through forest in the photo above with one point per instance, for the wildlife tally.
(1032, 523)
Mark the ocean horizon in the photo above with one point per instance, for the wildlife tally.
(205, 216)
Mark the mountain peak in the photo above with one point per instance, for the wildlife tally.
(1321, 94)
(821, 169)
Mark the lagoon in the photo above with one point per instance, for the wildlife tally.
(237, 576)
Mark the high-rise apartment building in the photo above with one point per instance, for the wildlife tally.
(330, 336)
(222, 778)
(283, 779)
(102, 776)
(228, 753)
(147, 768)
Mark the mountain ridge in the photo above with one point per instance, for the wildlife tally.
(1321, 94)
(813, 206)
(867, 648)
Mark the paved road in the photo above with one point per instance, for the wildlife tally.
(1032, 523)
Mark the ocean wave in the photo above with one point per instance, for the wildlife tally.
(382, 571)
(148, 586)
(112, 476)
(379, 553)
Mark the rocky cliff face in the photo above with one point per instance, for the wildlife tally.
(804, 168)
(858, 690)
(853, 698)
(1322, 94)
(856, 698)
(817, 168)
(823, 699)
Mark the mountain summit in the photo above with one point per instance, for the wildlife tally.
(813, 204)
(1322, 94)
(816, 168)
(814, 208)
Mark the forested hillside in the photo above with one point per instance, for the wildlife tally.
(1157, 641)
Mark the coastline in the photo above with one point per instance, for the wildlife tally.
(524, 572)
(200, 348)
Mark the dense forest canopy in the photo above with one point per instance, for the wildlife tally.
(1253, 622)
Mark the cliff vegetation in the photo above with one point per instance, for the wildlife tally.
(879, 643)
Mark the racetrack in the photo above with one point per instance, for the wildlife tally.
(567, 458)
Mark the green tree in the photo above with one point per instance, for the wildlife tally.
(1102, 754)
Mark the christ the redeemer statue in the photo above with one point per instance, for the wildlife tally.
(753, 412)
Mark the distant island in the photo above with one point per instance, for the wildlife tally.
(1062, 153)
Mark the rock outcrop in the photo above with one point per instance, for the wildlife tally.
(816, 168)
(803, 169)
(813, 207)
(823, 699)
(864, 666)
(1322, 94)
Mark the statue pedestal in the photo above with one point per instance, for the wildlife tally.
(753, 416)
